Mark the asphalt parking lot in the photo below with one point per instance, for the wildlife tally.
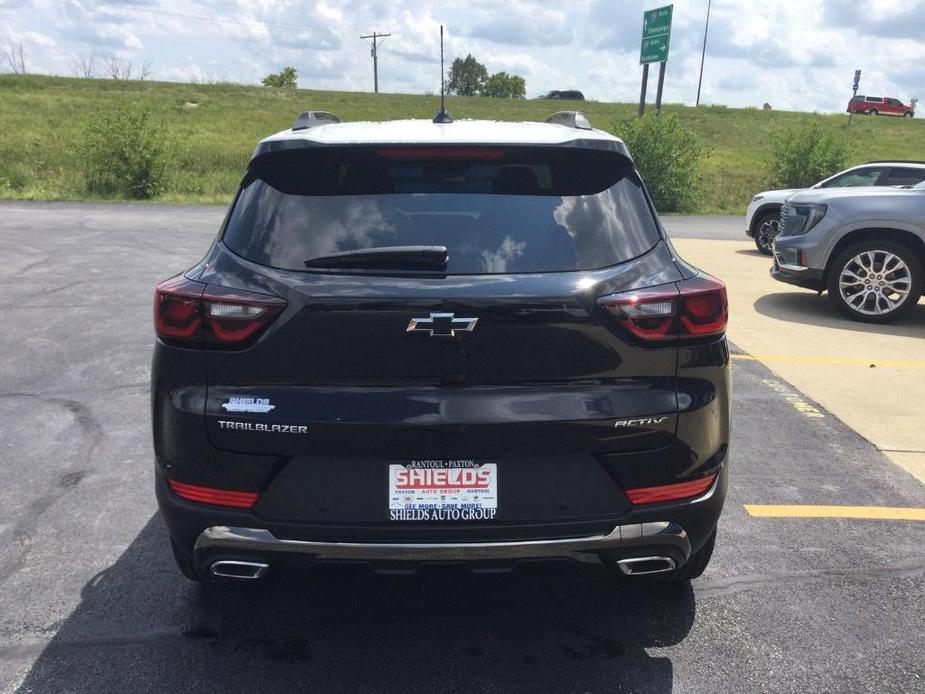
(91, 600)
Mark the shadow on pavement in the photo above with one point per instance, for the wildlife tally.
(812, 309)
(755, 253)
(546, 627)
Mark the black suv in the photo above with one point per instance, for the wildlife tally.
(419, 340)
(564, 94)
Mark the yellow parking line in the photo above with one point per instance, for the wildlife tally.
(800, 511)
(833, 361)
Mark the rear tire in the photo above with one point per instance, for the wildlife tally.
(858, 287)
(873, 112)
(762, 228)
(185, 563)
(697, 564)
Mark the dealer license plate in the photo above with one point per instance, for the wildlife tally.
(443, 490)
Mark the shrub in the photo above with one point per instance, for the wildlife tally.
(125, 153)
(668, 156)
(284, 79)
(807, 153)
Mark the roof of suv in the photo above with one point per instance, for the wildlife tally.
(910, 163)
(426, 132)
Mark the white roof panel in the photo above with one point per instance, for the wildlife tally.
(426, 132)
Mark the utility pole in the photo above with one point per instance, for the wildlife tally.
(374, 52)
(703, 55)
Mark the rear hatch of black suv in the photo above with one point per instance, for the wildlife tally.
(423, 314)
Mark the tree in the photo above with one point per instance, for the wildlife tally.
(284, 79)
(119, 69)
(466, 76)
(84, 66)
(14, 56)
(504, 86)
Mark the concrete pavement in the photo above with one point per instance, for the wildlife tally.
(872, 377)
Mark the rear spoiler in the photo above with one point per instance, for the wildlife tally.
(273, 146)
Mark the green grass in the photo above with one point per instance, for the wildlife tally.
(41, 119)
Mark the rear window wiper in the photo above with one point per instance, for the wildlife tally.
(386, 258)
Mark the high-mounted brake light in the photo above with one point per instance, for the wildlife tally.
(691, 308)
(441, 153)
(193, 312)
(210, 495)
(670, 492)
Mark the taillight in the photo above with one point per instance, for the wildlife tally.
(691, 308)
(210, 495)
(670, 492)
(193, 312)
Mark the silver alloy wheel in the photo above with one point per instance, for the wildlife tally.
(875, 282)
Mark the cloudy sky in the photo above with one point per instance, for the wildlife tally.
(795, 54)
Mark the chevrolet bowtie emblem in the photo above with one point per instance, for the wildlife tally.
(442, 325)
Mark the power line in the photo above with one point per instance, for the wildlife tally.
(374, 52)
(212, 20)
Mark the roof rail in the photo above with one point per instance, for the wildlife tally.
(895, 161)
(312, 119)
(570, 119)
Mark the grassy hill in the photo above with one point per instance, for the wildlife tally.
(42, 117)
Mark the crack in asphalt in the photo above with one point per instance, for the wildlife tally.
(83, 391)
(27, 524)
(738, 584)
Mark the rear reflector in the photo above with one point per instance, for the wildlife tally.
(193, 312)
(697, 307)
(208, 495)
(670, 492)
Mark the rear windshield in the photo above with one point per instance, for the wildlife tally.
(503, 210)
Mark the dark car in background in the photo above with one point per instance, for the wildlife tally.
(415, 341)
(564, 94)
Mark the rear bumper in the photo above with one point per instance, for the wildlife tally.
(673, 529)
(223, 539)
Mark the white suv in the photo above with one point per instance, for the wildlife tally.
(764, 209)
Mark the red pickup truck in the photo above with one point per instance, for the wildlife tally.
(880, 105)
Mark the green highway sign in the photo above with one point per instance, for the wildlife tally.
(654, 50)
(656, 35)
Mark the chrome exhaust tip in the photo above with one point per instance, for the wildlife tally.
(641, 566)
(241, 570)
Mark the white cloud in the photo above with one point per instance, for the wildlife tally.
(792, 53)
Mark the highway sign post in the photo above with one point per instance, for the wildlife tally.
(656, 38)
(857, 82)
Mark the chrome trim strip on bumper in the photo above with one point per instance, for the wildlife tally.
(230, 539)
